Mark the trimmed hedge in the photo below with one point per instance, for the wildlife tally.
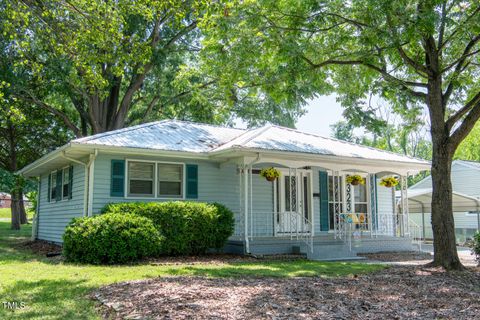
(110, 239)
(188, 227)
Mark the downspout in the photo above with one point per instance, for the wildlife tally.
(88, 181)
(91, 172)
(246, 200)
(37, 211)
(85, 179)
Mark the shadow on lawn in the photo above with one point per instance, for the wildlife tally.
(278, 269)
(48, 299)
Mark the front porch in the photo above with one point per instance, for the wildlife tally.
(311, 209)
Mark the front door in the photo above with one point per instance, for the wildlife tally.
(293, 205)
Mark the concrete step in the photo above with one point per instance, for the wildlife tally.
(331, 251)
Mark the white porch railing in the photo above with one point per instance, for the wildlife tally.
(352, 225)
(290, 224)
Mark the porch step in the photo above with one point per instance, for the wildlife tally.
(332, 252)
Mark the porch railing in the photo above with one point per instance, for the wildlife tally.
(352, 225)
(290, 224)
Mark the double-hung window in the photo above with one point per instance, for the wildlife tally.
(141, 179)
(66, 183)
(155, 179)
(170, 180)
(53, 186)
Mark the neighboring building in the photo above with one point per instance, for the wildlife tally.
(466, 200)
(5, 200)
(309, 207)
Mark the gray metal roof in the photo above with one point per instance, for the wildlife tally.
(166, 135)
(173, 135)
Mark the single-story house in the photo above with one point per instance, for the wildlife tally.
(466, 201)
(309, 208)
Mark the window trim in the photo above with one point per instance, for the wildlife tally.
(155, 180)
(63, 183)
(53, 199)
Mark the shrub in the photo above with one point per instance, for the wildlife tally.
(188, 227)
(110, 238)
(476, 246)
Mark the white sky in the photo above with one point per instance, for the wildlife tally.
(321, 113)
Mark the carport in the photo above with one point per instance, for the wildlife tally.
(420, 201)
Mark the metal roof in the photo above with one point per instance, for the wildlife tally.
(174, 135)
(189, 139)
(420, 200)
(166, 135)
(290, 140)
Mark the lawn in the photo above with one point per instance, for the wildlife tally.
(5, 213)
(56, 290)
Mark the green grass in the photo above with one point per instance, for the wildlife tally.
(5, 213)
(54, 290)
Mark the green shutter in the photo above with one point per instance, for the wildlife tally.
(49, 192)
(192, 181)
(117, 184)
(323, 201)
(58, 195)
(70, 182)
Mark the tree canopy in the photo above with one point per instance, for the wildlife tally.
(102, 65)
(411, 53)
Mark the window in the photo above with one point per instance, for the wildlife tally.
(170, 180)
(140, 179)
(53, 186)
(360, 193)
(66, 183)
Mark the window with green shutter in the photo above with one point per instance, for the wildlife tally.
(192, 181)
(58, 191)
(117, 185)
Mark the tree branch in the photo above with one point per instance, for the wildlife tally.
(466, 126)
(405, 84)
(462, 111)
(54, 111)
(421, 69)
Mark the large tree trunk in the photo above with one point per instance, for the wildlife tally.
(444, 241)
(21, 207)
(15, 208)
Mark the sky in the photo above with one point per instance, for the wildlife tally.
(321, 113)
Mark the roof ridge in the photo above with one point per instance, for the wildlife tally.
(347, 142)
(246, 132)
(109, 133)
(205, 124)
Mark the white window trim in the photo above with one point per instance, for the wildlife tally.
(155, 180)
(63, 178)
(51, 185)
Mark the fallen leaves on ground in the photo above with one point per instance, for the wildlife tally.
(399, 292)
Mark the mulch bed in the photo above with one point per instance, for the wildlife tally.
(398, 256)
(399, 292)
(41, 247)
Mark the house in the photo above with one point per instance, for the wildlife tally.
(466, 201)
(309, 208)
(5, 200)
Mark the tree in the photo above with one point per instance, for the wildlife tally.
(26, 133)
(469, 149)
(103, 65)
(409, 52)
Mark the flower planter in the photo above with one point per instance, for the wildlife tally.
(271, 179)
(355, 183)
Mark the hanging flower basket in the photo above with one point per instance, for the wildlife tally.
(389, 182)
(270, 173)
(355, 179)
